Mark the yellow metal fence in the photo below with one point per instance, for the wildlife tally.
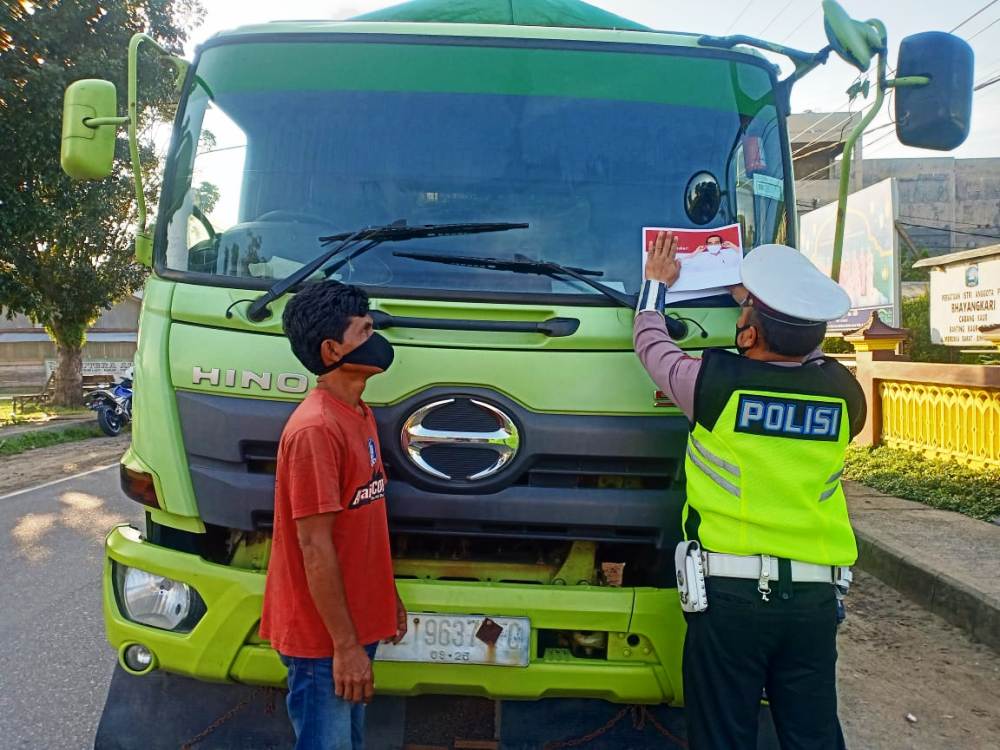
(956, 422)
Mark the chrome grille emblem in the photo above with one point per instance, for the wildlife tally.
(503, 441)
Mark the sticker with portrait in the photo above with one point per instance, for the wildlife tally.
(710, 259)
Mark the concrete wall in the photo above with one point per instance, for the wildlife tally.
(24, 347)
(22, 364)
(938, 194)
(122, 317)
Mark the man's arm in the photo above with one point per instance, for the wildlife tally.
(673, 371)
(352, 669)
(402, 621)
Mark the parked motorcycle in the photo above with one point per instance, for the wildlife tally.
(113, 406)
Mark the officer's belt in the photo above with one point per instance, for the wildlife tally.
(721, 565)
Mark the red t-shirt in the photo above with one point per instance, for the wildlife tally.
(329, 461)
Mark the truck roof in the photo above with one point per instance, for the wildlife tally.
(526, 19)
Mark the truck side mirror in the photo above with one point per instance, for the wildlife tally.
(935, 115)
(89, 126)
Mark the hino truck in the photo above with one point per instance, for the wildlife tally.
(535, 473)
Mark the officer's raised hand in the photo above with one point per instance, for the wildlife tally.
(661, 262)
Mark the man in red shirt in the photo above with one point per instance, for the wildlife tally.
(330, 595)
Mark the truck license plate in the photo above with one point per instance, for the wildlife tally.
(462, 639)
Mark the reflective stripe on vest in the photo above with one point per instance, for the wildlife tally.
(695, 448)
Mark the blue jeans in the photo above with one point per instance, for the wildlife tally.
(321, 720)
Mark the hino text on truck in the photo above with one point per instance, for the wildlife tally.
(483, 169)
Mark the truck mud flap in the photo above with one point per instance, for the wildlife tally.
(162, 711)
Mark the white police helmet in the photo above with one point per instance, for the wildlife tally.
(785, 281)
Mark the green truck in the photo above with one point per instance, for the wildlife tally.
(536, 477)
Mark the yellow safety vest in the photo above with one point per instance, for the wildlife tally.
(765, 458)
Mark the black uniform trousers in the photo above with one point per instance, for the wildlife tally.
(742, 645)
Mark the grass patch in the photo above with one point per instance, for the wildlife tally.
(940, 484)
(34, 413)
(42, 439)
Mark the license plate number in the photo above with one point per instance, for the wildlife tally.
(462, 639)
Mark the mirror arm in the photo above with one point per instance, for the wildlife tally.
(143, 240)
(795, 55)
(907, 81)
(95, 122)
(845, 163)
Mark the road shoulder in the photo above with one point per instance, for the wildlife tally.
(945, 561)
(42, 465)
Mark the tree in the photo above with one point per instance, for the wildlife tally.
(66, 247)
(916, 317)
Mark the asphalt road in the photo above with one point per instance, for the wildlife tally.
(907, 678)
(55, 664)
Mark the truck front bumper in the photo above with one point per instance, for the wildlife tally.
(645, 632)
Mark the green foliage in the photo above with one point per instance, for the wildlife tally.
(837, 345)
(916, 316)
(940, 484)
(907, 271)
(44, 438)
(206, 196)
(66, 253)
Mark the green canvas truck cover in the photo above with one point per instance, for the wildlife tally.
(564, 13)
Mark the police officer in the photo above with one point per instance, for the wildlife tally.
(766, 516)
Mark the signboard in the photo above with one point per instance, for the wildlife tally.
(115, 368)
(963, 298)
(869, 269)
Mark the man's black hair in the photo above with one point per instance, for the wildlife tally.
(321, 311)
(717, 236)
(787, 339)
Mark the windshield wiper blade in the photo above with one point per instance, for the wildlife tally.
(370, 237)
(400, 230)
(526, 265)
(676, 328)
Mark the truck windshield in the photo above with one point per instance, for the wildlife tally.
(282, 142)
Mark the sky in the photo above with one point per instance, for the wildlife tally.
(797, 23)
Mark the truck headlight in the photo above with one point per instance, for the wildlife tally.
(157, 601)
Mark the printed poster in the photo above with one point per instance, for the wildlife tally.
(710, 260)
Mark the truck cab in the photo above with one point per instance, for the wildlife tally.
(535, 474)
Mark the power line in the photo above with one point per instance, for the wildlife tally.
(801, 24)
(880, 138)
(953, 231)
(877, 128)
(776, 17)
(827, 144)
(842, 125)
(828, 166)
(993, 72)
(814, 172)
(739, 17)
(849, 103)
(985, 28)
(985, 7)
(986, 84)
(943, 221)
(822, 147)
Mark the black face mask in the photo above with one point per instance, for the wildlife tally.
(736, 339)
(375, 352)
